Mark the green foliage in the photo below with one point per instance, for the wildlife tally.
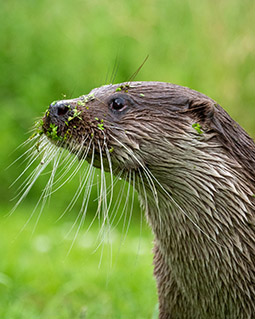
(38, 129)
(76, 114)
(198, 128)
(52, 132)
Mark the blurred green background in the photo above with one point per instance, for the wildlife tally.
(49, 49)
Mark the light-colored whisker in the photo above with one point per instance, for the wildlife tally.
(48, 187)
(91, 179)
(140, 191)
(38, 171)
(70, 176)
(25, 183)
(26, 142)
(143, 191)
(109, 188)
(43, 198)
(111, 176)
(50, 152)
(87, 173)
(22, 155)
(105, 228)
(83, 210)
(103, 197)
(125, 207)
(132, 204)
(123, 213)
(36, 155)
(117, 204)
(103, 231)
(149, 176)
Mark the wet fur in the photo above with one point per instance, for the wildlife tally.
(197, 189)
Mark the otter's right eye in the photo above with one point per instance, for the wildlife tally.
(118, 104)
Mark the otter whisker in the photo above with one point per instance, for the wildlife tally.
(34, 157)
(115, 69)
(124, 211)
(111, 175)
(132, 203)
(78, 192)
(143, 191)
(83, 211)
(35, 176)
(102, 204)
(117, 204)
(133, 76)
(145, 169)
(44, 196)
(67, 161)
(115, 209)
(26, 142)
(149, 177)
(68, 168)
(104, 231)
(116, 178)
(83, 183)
(22, 155)
(109, 125)
(48, 188)
(90, 187)
(28, 180)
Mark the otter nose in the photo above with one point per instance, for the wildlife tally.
(60, 108)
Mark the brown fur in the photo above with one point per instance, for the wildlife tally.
(199, 183)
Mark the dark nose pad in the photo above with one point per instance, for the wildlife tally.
(58, 109)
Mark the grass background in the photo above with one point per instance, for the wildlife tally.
(55, 48)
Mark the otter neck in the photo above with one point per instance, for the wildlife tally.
(202, 200)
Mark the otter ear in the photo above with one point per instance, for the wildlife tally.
(201, 110)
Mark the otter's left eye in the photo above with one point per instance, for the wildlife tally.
(118, 104)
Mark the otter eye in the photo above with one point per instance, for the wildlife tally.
(118, 104)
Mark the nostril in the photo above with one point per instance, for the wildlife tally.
(59, 108)
(62, 110)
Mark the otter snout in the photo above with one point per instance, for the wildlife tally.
(59, 119)
(62, 112)
(59, 111)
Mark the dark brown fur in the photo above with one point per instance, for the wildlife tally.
(199, 188)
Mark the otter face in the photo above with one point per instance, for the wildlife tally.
(118, 125)
(101, 127)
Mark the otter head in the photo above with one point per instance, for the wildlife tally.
(142, 125)
(175, 141)
(131, 125)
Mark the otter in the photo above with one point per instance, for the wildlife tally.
(193, 167)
